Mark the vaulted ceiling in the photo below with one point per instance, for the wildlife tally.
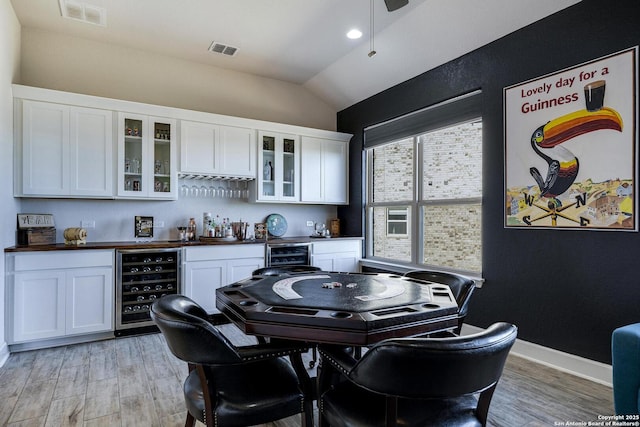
(299, 41)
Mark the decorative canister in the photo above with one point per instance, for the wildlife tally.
(260, 230)
(75, 236)
(334, 227)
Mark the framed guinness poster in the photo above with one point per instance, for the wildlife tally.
(571, 147)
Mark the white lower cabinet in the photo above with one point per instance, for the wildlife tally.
(53, 295)
(201, 280)
(89, 300)
(208, 268)
(39, 305)
(338, 255)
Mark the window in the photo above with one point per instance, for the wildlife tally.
(436, 174)
(397, 224)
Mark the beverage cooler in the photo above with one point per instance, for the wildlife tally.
(143, 275)
(280, 254)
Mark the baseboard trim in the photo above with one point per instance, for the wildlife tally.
(4, 354)
(57, 342)
(579, 366)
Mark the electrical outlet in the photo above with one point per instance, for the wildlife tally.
(88, 223)
(158, 224)
(309, 223)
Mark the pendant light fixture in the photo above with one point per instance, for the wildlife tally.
(372, 51)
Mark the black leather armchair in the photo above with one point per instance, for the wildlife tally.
(228, 385)
(414, 381)
(290, 269)
(461, 287)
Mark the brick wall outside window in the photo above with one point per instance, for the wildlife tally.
(393, 172)
(452, 170)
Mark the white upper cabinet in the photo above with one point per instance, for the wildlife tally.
(91, 152)
(199, 148)
(67, 151)
(279, 168)
(238, 151)
(210, 149)
(324, 171)
(147, 152)
(69, 145)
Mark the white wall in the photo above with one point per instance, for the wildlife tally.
(9, 73)
(84, 66)
(78, 65)
(114, 219)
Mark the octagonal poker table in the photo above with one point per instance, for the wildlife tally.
(357, 309)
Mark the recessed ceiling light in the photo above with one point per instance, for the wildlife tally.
(354, 34)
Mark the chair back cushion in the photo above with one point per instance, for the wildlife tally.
(625, 362)
(189, 334)
(461, 287)
(436, 367)
(285, 269)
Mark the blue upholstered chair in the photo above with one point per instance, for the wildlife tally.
(625, 356)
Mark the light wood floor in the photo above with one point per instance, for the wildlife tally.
(136, 381)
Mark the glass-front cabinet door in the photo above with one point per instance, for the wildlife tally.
(132, 161)
(279, 167)
(146, 157)
(290, 176)
(164, 155)
(267, 170)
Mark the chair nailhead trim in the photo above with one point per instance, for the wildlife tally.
(271, 355)
(334, 362)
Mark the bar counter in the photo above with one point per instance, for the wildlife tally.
(159, 244)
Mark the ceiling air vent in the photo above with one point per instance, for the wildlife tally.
(84, 12)
(223, 49)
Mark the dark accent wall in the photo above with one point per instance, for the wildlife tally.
(565, 289)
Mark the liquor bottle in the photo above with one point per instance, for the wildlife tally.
(268, 172)
(192, 229)
(207, 223)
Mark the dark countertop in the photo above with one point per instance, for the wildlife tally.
(161, 244)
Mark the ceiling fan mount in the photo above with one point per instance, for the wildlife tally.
(392, 5)
(395, 4)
